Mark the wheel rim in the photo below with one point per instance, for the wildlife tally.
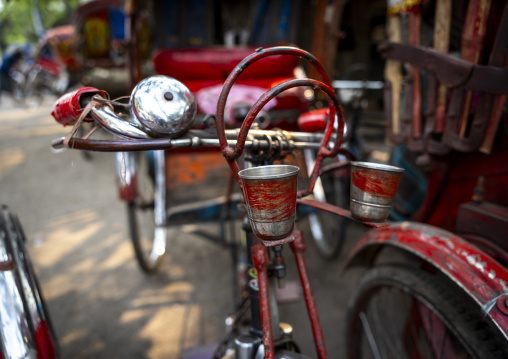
(390, 322)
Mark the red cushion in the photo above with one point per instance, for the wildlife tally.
(218, 62)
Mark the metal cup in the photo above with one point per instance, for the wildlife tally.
(270, 193)
(373, 188)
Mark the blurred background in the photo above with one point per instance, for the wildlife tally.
(88, 40)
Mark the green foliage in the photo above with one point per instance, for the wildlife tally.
(16, 22)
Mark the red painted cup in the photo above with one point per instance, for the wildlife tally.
(373, 189)
(270, 193)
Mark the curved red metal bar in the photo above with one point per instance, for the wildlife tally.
(259, 54)
(232, 154)
(323, 151)
(478, 274)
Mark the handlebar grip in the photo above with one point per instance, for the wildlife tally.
(67, 108)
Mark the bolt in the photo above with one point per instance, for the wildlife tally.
(168, 96)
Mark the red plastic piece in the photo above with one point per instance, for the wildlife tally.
(314, 121)
(67, 108)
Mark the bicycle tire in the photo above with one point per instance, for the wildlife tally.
(433, 306)
(33, 97)
(149, 240)
(20, 287)
(328, 231)
(17, 93)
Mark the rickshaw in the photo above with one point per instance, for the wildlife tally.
(447, 119)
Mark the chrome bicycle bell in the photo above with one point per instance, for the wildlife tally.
(163, 106)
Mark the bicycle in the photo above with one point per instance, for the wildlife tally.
(26, 330)
(262, 145)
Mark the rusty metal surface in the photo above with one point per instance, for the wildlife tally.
(261, 262)
(480, 276)
(339, 211)
(101, 304)
(298, 247)
(270, 194)
(232, 154)
(373, 189)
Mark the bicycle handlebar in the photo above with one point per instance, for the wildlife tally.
(163, 107)
(260, 140)
(232, 154)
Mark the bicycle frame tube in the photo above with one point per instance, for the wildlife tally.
(298, 247)
(261, 262)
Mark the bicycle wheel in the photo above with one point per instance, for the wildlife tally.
(33, 97)
(146, 214)
(328, 230)
(33, 89)
(402, 312)
(25, 329)
(17, 93)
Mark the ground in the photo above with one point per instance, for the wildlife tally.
(102, 305)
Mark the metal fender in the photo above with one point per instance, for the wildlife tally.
(478, 274)
(125, 171)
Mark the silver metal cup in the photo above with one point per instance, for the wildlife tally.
(270, 193)
(373, 189)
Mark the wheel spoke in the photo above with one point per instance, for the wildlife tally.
(386, 328)
(370, 337)
(401, 312)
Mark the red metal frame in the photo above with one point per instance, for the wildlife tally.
(259, 251)
(261, 262)
(298, 247)
(232, 154)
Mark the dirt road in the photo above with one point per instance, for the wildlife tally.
(102, 305)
